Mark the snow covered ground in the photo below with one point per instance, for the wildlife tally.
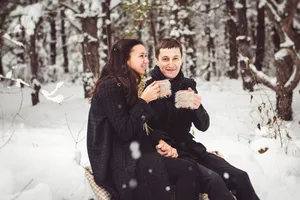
(40, 161)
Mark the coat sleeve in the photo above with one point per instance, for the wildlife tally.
(125, 121)
(156, 135)
(200, 117)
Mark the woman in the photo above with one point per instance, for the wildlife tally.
(122, 157)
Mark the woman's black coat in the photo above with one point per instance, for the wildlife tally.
(112, 127)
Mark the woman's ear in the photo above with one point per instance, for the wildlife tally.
(128, 63)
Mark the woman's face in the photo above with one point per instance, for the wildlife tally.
(138, 59)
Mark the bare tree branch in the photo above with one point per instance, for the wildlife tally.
(13, 120)
(23, 190)
(69, 7)
(79, 30)
(262, 77)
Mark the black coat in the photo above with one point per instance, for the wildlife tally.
(172, 124)
(112, 127)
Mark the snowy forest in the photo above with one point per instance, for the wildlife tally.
(244, 55)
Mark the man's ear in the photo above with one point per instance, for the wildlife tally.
(156, 61)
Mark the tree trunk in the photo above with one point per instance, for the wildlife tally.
(284, 70)
(21, 52)
(287, 22)
(2, 20)
(53, 37)
(64, 41)
(140, 26)
(90, 53)
(284, 105)
(232, 73)
(34, 64)
(260, 30)
(106, 28)
(1, 64)
(150, 56)
(161, 31)
(244, 47)
(90, 46)
(297, 32)
(33, 56)
(253, 30)
(35, 93)
(187, 40)
(152, 26)
(276, 40)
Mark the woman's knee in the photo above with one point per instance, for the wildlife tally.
(216, 178)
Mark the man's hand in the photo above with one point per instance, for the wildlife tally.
(197, 100)
(166, 150)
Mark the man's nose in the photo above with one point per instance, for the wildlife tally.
(170, 62)
(146, 60)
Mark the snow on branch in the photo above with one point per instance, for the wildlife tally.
(76, 26)
(276, 16)
(260, 76)
(7, 37)
(57, 99)
(263, 78)
(280, 6)
(69, 7)
(86, 15)
(281, 54)
(262, 3)
(79, 30)
(295, 77)
(287, 41)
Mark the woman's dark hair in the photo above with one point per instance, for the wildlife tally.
(116, 67)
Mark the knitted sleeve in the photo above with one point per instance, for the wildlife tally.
(126, 121)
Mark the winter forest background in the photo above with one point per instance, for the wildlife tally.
(243, 54)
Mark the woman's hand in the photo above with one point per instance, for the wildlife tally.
(166, 150)
(151, 92)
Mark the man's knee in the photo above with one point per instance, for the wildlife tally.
(242, 176)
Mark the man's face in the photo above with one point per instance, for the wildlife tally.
(169, 62)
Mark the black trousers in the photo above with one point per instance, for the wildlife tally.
(217, 178)
(183, 175)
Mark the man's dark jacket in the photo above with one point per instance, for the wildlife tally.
(172, 124)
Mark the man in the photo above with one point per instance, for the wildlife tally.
(171, 126)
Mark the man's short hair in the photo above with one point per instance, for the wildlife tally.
(167, 43)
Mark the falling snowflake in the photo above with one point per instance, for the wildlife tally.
(132, 183)
(168, 188)
(226, 175)
(135, 150)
